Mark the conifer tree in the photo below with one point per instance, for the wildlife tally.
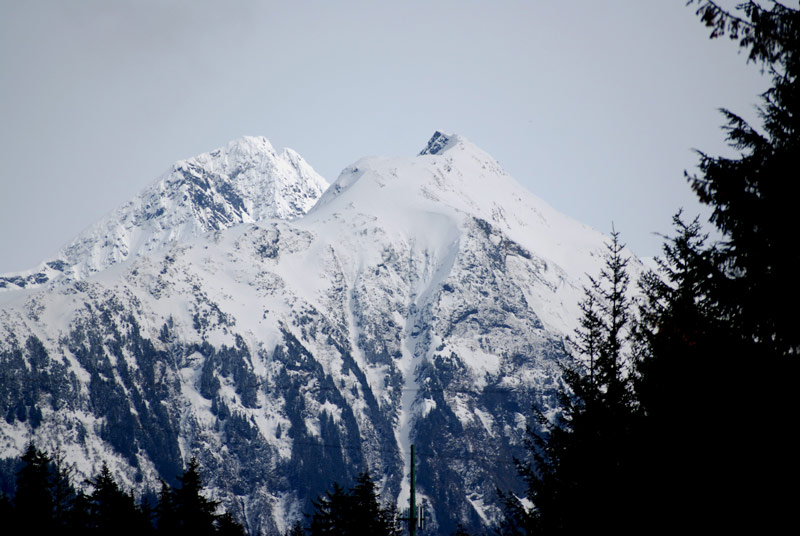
(330, 512)
(581, 471)
(33, 500)
(368, 516)
(166, 515)
(186, 510)
(195, 513)
(722, 354)
(460, 531)
(753, 196)
(111, 509)
(683, 387)
(45, 502)
(354, 512)
(62, 491)
(703, 430)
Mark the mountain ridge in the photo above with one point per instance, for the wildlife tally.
(244, 181)
(423, 300)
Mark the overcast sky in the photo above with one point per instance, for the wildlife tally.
(594, 106)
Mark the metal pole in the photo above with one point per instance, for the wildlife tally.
(412, 522)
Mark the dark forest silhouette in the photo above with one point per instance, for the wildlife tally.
(696, 430)
(45, 501)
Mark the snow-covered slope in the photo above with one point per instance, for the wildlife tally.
(245, 181)
(452, 184)
(422, 300)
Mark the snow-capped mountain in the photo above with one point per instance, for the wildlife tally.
(422, 300)
(245, 181)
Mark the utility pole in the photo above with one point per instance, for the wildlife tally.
(415, 519)
(412, 517)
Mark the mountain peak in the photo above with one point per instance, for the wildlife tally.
(244, 181)
(461, 176)
(439, 143)
(251, 141)
(246, 151)
(251, 146)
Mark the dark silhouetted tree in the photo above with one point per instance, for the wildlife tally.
(186, 510)
(354, 512)
(685, 387)
(195, 513)
(330, 512)
(461, 531)
(753, 196)
(717, 380)
(715, 346)
(61, 490)
(111, 509)
(165, 513)
(33, 500)
(581, 474)
(46, 502)
(6, 509)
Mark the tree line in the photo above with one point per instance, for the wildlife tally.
(357, 511)
(678, 408)
(45, 501)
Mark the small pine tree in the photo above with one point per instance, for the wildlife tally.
(330, 512)
(111, 509)
(369, 517)
(33, 501)
(355, 512)
(461, 531)
(62, 491)
(195, 513)
(165, 512)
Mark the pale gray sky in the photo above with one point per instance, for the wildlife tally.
(593, 105)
